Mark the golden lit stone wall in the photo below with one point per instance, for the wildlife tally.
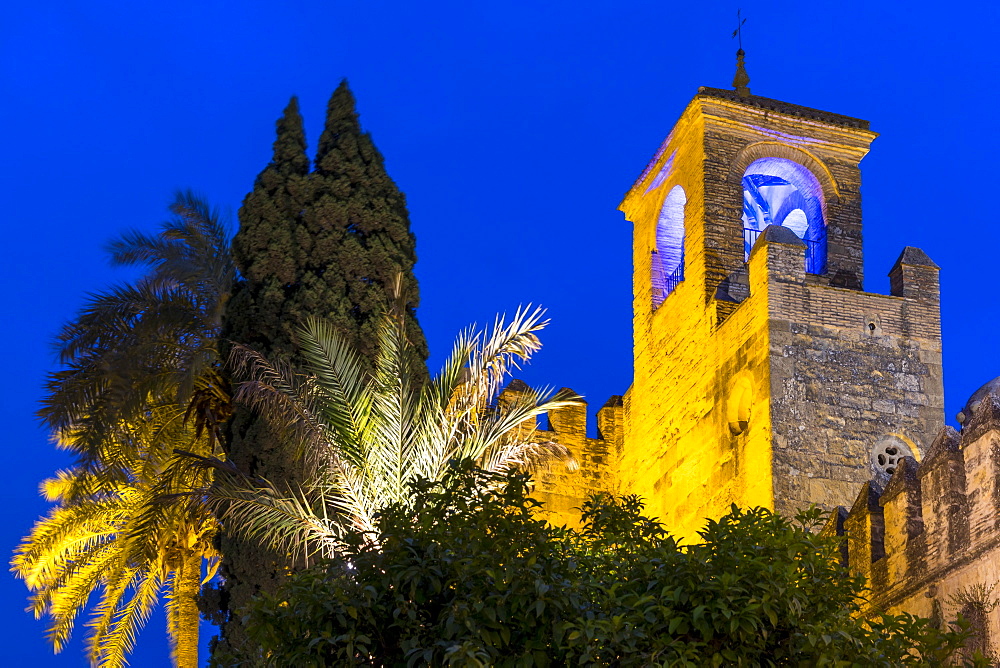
(562, 489)
(792, 350)
(680, 453)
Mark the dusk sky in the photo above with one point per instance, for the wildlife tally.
(514, 129)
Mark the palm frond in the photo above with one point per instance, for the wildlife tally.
(115, 626)
(509, 417)
(341, 383)
(373, 433)
(284, 398)
(287, 522)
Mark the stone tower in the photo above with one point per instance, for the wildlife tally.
(764, 375)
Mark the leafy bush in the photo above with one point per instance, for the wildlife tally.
(467, 576)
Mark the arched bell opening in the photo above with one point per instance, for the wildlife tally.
(778, 191)
(667, 262)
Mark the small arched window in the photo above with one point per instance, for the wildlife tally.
(667, 264)
(739, 405)
(777, 191)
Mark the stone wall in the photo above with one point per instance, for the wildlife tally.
(929, 543)
(563, 489)
(849, 367)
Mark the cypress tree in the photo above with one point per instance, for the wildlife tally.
(264, 250)
(260, 313)
(327, 243)
(357, 221)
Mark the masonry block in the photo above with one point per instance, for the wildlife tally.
(865, 530)
(570, 421)
(903, 539)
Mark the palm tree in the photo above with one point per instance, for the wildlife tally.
(141, 379)
(121, 538)
(364, 431)
(143, 343)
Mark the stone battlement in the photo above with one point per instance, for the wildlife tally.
(928, 539)
(562, 489)
(847, 368)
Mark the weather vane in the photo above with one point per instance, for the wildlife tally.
(739, 28)
(742, 79)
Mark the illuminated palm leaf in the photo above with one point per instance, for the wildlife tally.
(107, 544)
(367, 432)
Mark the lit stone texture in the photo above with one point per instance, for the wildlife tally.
(757, 383)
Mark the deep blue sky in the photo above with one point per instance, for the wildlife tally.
(514, 128)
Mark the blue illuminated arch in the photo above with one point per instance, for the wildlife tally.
(667, 268)
(778, 191)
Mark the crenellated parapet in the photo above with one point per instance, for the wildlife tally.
(563, 487)
(944, 507)
(929, 541)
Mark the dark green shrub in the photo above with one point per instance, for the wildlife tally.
(467, 576)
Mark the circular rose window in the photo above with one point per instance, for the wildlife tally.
(887, 454)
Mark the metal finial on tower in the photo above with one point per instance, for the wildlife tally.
(741, 79)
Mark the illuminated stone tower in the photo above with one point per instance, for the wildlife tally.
(764, 375)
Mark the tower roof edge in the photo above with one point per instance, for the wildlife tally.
(703, 101)
(785, 108)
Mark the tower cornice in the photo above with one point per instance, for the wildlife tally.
(787, 108)
(768, 119)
